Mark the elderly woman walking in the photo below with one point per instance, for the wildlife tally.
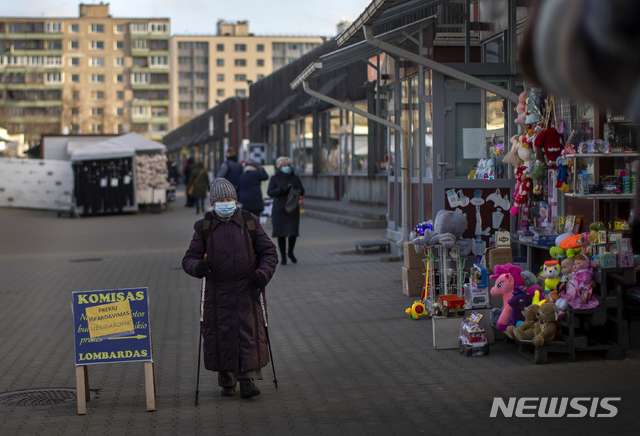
(285, 224)
(237, 265)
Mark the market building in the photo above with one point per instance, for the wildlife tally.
(91, 74)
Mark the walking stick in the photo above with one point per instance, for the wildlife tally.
(266, 330)
(202, 288)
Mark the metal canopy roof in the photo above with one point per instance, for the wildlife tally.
(360, 51)
(325, 89)
(283, 104)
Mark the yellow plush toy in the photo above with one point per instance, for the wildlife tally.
(551, 273)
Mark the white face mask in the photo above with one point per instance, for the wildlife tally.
(225, 208)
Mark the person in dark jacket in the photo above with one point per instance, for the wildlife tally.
(249, 188)
(188, 169)
(285, 224)
(200, 182)
(231, 169)
(235, 343)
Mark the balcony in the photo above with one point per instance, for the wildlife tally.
(49, 36)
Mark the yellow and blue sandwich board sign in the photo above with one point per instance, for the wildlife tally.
(111, 326)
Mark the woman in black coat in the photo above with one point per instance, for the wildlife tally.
(249, 188)
(285, 224)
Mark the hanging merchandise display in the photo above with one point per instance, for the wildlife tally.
(104, 186)
(152, 178)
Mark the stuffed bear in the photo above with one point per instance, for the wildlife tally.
(545, 328)
(526, 329)
(551, 142)
(512, 157)
(448, 228)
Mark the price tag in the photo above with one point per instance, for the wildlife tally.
(114, 182)
(103, 183)
(126, 180)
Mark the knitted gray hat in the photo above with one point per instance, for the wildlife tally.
(221, 188)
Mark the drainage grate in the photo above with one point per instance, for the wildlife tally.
(38, 397)
(97, 259)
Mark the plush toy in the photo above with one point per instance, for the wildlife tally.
(522, 188)
(579, 293)
(526, 329)
(545, 328)
(561, 176)
(417, 310)
(551, 142)
(538, 297)
(567, 245)
(507, 277)
(551, 273)
(525, 152)
(518, 302)
(512, 156)
(521, 109)
(448, 228)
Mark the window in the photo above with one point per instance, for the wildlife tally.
(119, 111)
(53, 78)
(140, 78)
(54, 45)
(158, 61)
(53, 27)
(74, 62)
(260, 62)
(139, 44)
(220, 77)
(158, 27)
(159, 78)
(96, 28)
(202, 61)
(202, 76)
(219, 47)
(51, 61)
(33, 60)
(159, 127)
(96, 62)
(240, 47)
(310, 46)
(119, 62)
(202, 45)
(121, 128)
(241, 62)
(119, 95)
(158, 45)
(201, 105)
(184, 61)
(75, 95)
(96, 128)
(75, 78)
(183, 90)
(292, 46)
(97, 78)
(97, 95)
(97, 45)
(75, 128)
(278, 46)
(139, 62)
(220, 92)
(241, 92)
(289, 60)
(97, 111)
(118, 45)
(260, 77)
(185, 105)
(159, 112)
(185, 76)
(202, 91)
(241, 77)
(140, 111)
(219, 62)
(260, 47)
(184, 45)
(278, 62)
(74, 45)
(75, 111)
(74, 28)
(119, 78)
(118, 28)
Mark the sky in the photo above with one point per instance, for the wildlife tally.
(266, 17)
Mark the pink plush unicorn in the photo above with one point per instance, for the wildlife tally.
(507, 278)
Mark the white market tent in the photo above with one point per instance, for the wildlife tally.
(119, 146)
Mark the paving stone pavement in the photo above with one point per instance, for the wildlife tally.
(349, 361)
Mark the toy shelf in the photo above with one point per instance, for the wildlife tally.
(602, 196)
(630, 154)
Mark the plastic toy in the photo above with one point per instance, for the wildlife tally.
(551, 273)
(449, 305)
(507, 278)
(417, 310)
(579, 292)
(472, 340)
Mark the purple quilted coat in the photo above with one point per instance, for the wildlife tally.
(234, 335)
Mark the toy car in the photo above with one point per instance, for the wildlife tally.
(449, 305)
(473, 339)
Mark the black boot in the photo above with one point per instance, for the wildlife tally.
(282, 245)
(247, 388)
(293, 258)
(228, 391)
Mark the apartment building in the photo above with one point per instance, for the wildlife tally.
(210, 69)
(90, 74)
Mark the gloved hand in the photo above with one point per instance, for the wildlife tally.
(258, 280)
(203, 269)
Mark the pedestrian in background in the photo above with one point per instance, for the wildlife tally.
(188, 169)
(249, 187)
(285, 224)
(235, 343)
(198, 186)
(231, 169)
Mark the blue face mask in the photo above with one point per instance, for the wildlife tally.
(225, 208)
(287, 170)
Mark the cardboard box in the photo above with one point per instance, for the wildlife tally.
(498, 256)
(476, 297)
(503, 239)
(412, 259)
(413, 281)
